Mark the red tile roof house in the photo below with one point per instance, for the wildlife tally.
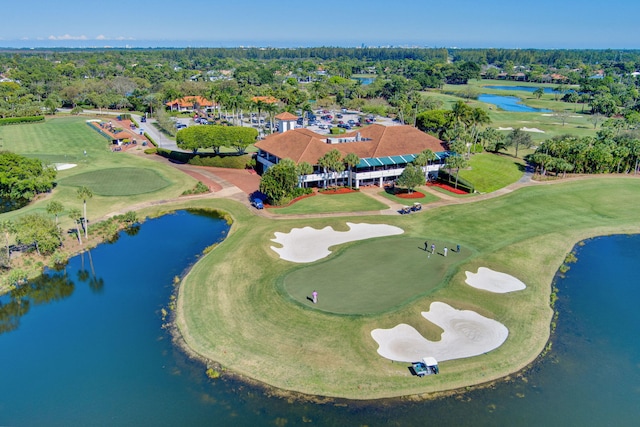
(384, 151)
(189, 103)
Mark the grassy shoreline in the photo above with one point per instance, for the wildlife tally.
(231, 311)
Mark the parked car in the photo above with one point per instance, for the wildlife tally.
(257, 203)
(180, 126)
(143, 119)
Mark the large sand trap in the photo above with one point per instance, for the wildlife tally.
(525, 129)
(493, 281)
(64, 166)
(466, 334)
(308, 244)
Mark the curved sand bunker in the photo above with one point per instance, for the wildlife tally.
(466, 334)
(309, 244)
(64, 166)
(493, 281)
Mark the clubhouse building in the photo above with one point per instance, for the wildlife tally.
(384, 151)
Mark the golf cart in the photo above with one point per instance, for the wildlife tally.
(405, 210)
(428, 366)
(416, 207)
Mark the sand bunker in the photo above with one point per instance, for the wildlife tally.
(466, 334)
(493, 281)
(309, 244)
(64, 166)
(525, 129)
(532, 130)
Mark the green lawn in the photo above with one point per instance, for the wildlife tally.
(252, 317)
(374, 276)
(489, 172)
(576, 124)
(428, 198)
(119, 180)
(331, 203)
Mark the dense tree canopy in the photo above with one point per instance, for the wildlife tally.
(22, 178)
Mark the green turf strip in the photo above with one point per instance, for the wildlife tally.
(118, 181)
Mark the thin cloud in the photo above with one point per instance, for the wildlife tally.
(68, 37)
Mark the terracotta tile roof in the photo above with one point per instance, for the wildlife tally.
(303, 145)
(286, 116)
(188, 101)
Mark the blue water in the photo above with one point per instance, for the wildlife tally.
(521, 88)
(510, 103)
(96, 353)
(364, 80)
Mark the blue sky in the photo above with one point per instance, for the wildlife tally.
(286, 23)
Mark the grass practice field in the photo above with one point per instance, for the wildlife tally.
(120, 181)
(374, 276)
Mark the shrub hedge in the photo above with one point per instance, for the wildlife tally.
(16, 120)
(231, 161)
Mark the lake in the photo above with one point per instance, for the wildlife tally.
(88, 347)
(510, 103)
(521, 88)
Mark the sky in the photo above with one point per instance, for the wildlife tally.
(543, 24)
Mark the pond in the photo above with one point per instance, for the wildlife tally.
(364, 80)
(89, 348)
(510, 103)
(521, 88)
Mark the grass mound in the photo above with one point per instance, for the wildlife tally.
(373, 276)
(118, 181)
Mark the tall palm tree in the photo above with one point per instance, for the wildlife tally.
(8, 228)
(55, 208)
(352, 160)
(75, 214)
(83, 194)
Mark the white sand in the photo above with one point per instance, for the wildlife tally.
(64, 166)
(466, 334)
(493, 281)
(309, 244)
(525, 129)
(532, 130)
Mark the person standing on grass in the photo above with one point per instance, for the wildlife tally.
(433, 248)
(314, 294)
(458, 248)
(426, 246)
(445, 251)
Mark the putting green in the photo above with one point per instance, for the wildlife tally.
(118, 181)
(373, 276)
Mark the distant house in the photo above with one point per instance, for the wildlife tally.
(189, 103)
(384, 152)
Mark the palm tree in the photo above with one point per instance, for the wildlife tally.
(55, 208)
(76, 216)
(8, 228)
(83, 194)
(455, 162)
(304, 168)
(351, 160)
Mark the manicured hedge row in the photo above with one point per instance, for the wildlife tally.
(16, 120)
(221, 161)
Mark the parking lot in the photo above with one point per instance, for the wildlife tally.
(321, 121)
(349, 120)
